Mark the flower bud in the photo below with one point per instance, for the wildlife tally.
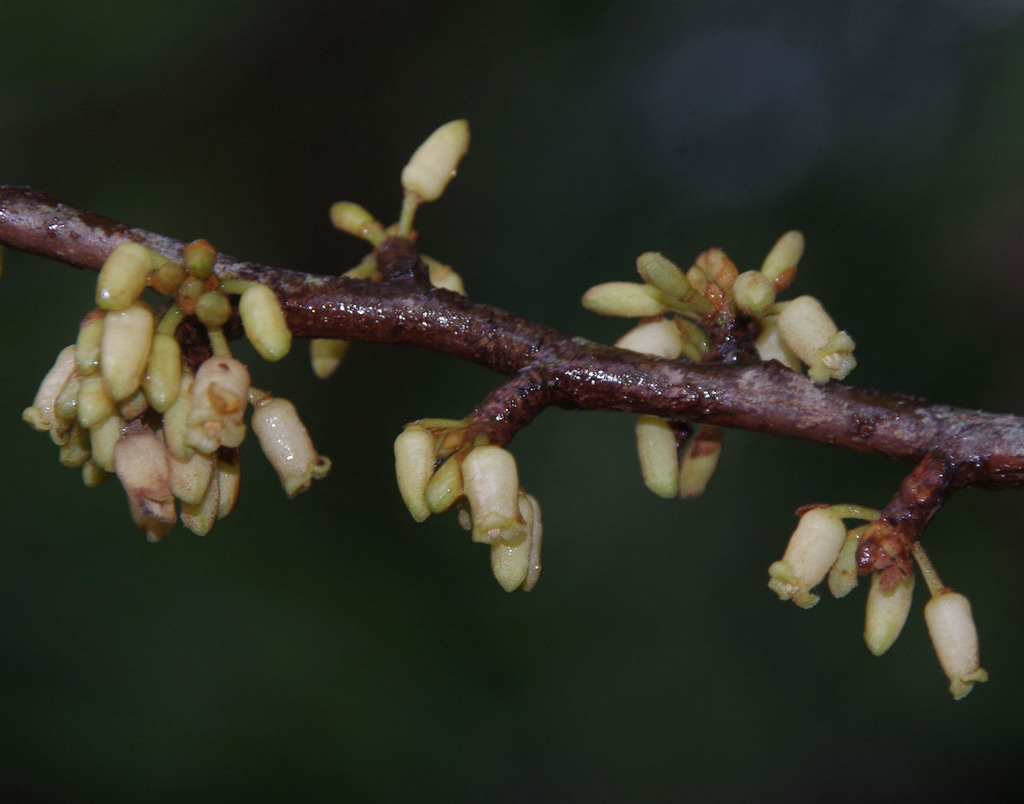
(445, 487)
(134, 406)
(326, 355)
(229, 480)
(780, 265)
(75, 451)
(700, 459)
(162, 382)
(809, 331)
(842, 578)
(414, 465)
(530, 510)
(355, 220)
(955, 639)
(886, 613)
(625, 299)
(718, 268)
(770, 345)
(93, 475)
(491, 484)
(213, 308)
(123, 277)
(753, 293)
(140, 461)
(217, 402)
(263, 321)
(190, 479)
(176, 420)
(287, 445)
(127, 337)
(662, 273)
(433, 164)
(200, 516)
(93, 404)
(812, 550)
(40, 415)
(103, 439)
(199, 257)
(658, 451)
(444, 276)
(660, 337)
(65, 410)
(87, 347)
(516, 565)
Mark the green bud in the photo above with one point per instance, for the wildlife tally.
(93, 404)
(625, 299)
(163, 372)
(355, 220)
(886, 613)
(213, 309)
(753, 293)
(662, 273)
(779, 266)
(199, 258)
(264, 322)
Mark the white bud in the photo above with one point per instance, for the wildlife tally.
(445, 486)
(659, 455)
(491, 483)
(263, 321)
(812, 550)
(955, 639)
(140, 460)
(625, 299)
(770, 345)
(414, 465)
(661, 338)
(809, 331)
(433, 164)
(287, 445)
(123, 277)
(90, 339)
(127, 337)
(886, 613)
(41, 414)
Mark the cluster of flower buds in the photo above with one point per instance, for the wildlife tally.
(438, 468)
(822, 546)
(123, 400)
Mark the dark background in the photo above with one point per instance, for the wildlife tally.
(329, 647)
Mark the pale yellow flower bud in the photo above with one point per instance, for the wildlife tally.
(780, 265)
(661, 338)
(134, 406)
(103, 439)
(218, 398)
(516, 564)
(287, 445)
(355, 220)
(40, 415)
(123, 277)
(700, 459)
(955, 639)
(491, 484)
(162, 382)
(444, 276)
(229, 481)
(886, 613)
(140, 460)
(625, 299)
(659, 455)
(200, 516)
(124, 349)
(718, 268)
(414, 465)
(190, 479)
(812, 550)
(176, 420)
(753, 293)
(87, 347)
(842, 578)
(263, 321)
(326, 354)
(75, 451)
(770, 345)
(659, 271)
(93, 475)
(433, 164)
(94, 404)
(445, 487)
(809, 331)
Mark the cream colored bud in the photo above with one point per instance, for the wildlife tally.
(263, 321)
(414, 465)
(103, 439)
(516, 564)
(444, 276)
(355, 220)
(842, 578)
(162, 382)
(127, 337)
(658, 451)
(41, 415)
(491, 484)
(287, 445)
(326, 354)
(190, 479)
(812, 550)
(700, 459)
(835, 359)
(218, 399)
(886, 613)
(529, 508)
(809, 331)
(770, 345)
(93, 475)
(625, 299)
(140, 461)
(176, 420)
(779, 267)
(661, 338)
(94, 405)
(134, 406)
(200, 516)
(433, 164)
(123, 277)
(955, 639)
(65, 410)
(662, 273)
(87, 347)
(445, 487)
(753, 293)
(229, 481)
(75, 451)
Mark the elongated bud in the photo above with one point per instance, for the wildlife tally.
(94, 404)
(87, 347)
(955, 639)
(229, 480)
(264, 322)
(163, 372)
(779, 267)
(355, 220)
(812, 550)
(659, 271)
(530, 510)
(414, 465)
(433, 164)
(625, 299)
(753, 293)
(445, 487)
(444, 276)
(516, 565)
(658, 451)
(661, 338)
(218, 399)
(718, 268)
(123, 277)
(75, 451)
(326, 354)
(127, 337)
(842, 578)
(491, 483)
(40, 415)
(770, 345)
(65, 410)
(190, 479)
(176, 420)
(700, 459)
(93, 475)
(140, 460)
(886, 613)
(809, 331)
(287, 445)
(200, 516)
(103, 439)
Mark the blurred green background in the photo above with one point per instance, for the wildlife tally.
(331, 649)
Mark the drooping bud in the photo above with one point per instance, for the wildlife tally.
(660, 337)
(87, 347)
(287, 445)
(753, 293)
(809, 331)
(414, 465)
(140, 460)
(127, 337)
(433, 164)
(123, 277)
(770, 345)
(812, 550)
(134, 406)
(162, 382)
(75, 451)
(625, 299)
(659, 271)
(779, 266)
(658, 451)
(491, 484)
(444, 276)
(516, 565)
(886, 613)
(217, 401)
(955, 639)
(842, 578)
(263, 321)
(190, 479)
(103, 439)
(200, 516)
(176, 420)
(40, 415)
(93, 404)
(326, 354)
(229, 480)
(530, 510)
(445, 487)
(700, 459)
